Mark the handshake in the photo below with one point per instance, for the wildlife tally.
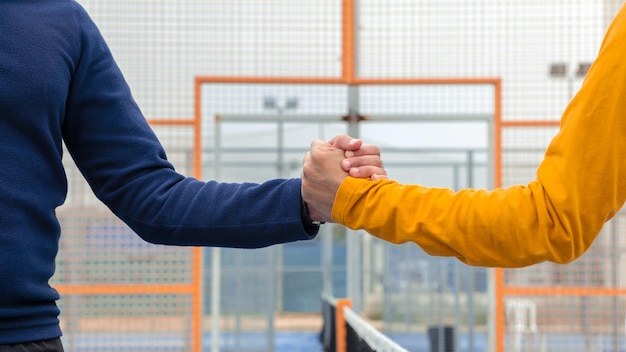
(326, 165)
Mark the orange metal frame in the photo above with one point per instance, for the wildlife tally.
(194, 288)
(349, 77)
(503, 290)
(500, 289)
(340, 325)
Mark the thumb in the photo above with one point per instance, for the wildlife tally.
(345, 142)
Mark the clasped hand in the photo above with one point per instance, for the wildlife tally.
(326, 165)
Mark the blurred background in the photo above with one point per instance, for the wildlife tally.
(456, 93)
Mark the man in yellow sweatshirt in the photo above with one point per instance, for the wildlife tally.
(580, 184)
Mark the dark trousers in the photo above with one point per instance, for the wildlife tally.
(53, 345)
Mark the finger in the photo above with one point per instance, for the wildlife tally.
(307, 157)
(345, 142)
(366, 149)
(364, 160)
(316, 143)
(375, 177)
(318, 147)
(367, 171)
(338, 137)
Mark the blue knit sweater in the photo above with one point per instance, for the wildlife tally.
(59, 82)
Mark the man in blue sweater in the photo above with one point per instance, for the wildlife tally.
(59, 83)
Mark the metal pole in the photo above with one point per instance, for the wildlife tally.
(440, 303)
(278, 249)
(614, 232)
(354, 250)
(408, 294)
(238, 296)
(327, 261)
(271, 309)
(275, 252)
(471, 271)
(457, 304)
(354, 254)
(216, 259)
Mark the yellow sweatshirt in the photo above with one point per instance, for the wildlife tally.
(581, 184)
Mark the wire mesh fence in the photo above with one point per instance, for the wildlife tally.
(276, 71)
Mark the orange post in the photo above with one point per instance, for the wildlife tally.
(499, 318)
(196, 314)
(498, 274)
(340, 324)
(195, 288)
(196, 323)
(349, 38)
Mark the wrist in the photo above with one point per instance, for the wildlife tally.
(306, 217)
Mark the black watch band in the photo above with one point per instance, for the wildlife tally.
(306, 218)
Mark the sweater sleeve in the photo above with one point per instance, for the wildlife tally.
(127, 168)
(581, 184)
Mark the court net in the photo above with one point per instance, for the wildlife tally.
(346, 331)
